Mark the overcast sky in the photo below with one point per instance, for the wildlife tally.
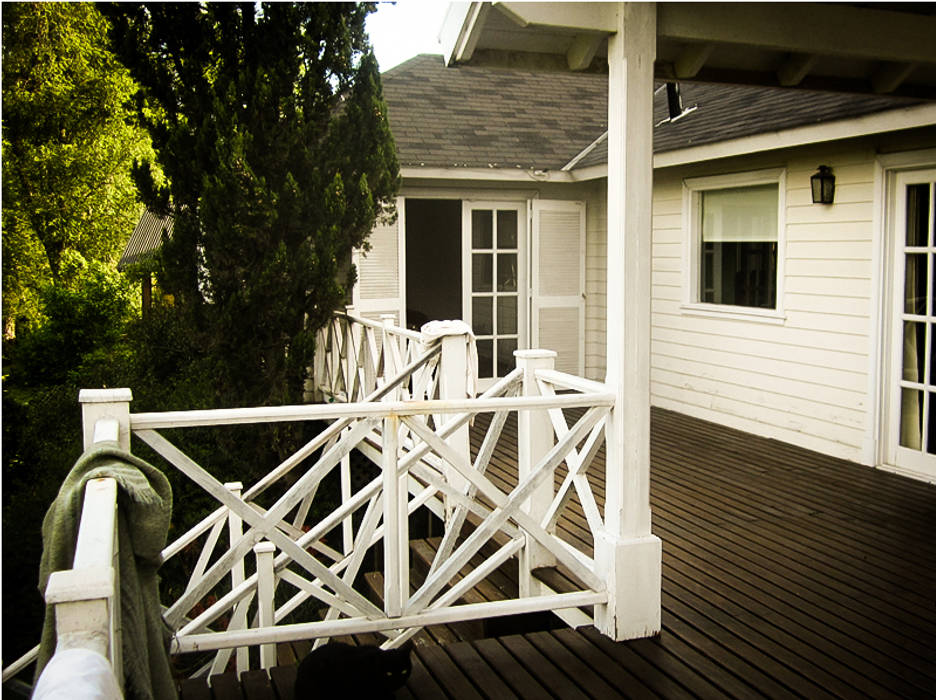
(401, 30)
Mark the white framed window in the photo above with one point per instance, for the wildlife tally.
(734, 244)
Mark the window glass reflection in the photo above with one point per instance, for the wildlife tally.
(482, 228)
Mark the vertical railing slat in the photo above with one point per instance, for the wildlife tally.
(235, 532)
(396, 536)
(264, 553)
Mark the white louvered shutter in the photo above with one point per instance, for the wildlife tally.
(379, 288)
(558, 284)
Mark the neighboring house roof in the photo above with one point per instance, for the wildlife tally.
(465, 116)
(146, 237)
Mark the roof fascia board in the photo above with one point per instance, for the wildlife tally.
(827, 29)
(578, 16)
(880, 122)
(461, 29)
(492, 174)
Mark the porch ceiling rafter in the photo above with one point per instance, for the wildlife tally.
(830, 30)
(846, 47)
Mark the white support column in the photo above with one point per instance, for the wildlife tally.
(628, 557)
(396, 524)
(264, 552)
(453, 366)
(105, 403)
(534, 440)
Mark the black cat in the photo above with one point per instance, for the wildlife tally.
(337, 670)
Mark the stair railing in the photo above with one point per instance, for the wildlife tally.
(356, 355)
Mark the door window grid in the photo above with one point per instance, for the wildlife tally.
(918, 316)
(495, 258)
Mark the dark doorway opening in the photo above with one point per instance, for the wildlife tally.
(433, 261)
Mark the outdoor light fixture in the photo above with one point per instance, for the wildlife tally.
(823, 186)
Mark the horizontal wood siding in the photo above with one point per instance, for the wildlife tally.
(804, 380)
(596, 275)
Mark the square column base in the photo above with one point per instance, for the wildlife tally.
(632, 568)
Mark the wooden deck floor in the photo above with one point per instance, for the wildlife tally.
(785, 574)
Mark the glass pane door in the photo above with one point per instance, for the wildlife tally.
(916, 354)
(496, 285)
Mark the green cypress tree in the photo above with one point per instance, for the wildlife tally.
(269, 124)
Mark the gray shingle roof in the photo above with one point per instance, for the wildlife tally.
(466, 116)
(479, 117)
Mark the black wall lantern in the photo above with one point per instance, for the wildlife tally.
(823, 186)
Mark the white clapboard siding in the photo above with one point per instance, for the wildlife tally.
(380, 271)
(596, 276)
(802, 378)
(558, 282)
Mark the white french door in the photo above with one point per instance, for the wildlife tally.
(494, 294)
(911, 443)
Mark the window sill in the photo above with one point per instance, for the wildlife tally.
(735, 313)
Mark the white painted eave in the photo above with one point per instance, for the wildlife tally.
(461, 30)
(881, 122)
(578, 16)
(490, 174)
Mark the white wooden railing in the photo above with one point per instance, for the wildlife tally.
(404, 416)
(87, 596)
(354, 355)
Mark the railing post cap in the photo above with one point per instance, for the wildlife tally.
(265, 547)
(105, 396)
(534, 354)
(234, 485)
(73, 585)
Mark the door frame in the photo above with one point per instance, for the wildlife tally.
(892, 174)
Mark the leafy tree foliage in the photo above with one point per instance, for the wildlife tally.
(70, 138)
(68, 148)
(269, 123)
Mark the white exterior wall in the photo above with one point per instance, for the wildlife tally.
(804, 380)
(596, 278)
(593, 193)
(810, 379)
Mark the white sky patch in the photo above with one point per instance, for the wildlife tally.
(398, 31)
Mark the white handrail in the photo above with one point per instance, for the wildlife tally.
(377, 325)
(86, 597)
(274, 414)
